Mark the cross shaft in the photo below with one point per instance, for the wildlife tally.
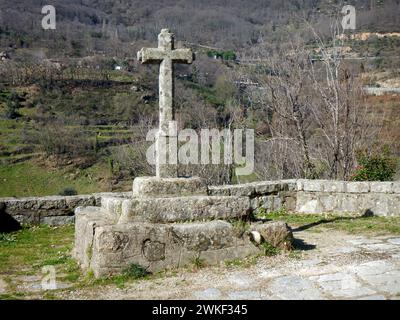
(166, 55)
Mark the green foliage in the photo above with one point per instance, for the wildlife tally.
(378, 62)
(241, 226)
(11, 111)
(197, 262)
(68, 191)
(261, 213)
(224, 55)
(7, 237)
(380, 166)
(134, 271)
(242, 263)
(268, 249)
(13, 103)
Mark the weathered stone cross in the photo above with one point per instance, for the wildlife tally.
(166, 56)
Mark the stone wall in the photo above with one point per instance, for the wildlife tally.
(321, 196)
(270, 195)
(52, 210)
(342, 197)
(302, 196)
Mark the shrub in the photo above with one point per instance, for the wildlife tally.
(58, 139)
(12, 111)
(135, 271)
(225, 55)
(68, 191)
(375, 167)
(13, 104)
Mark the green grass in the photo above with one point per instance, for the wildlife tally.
(243, 263)
(25, 252)
(268, 249)
(29, 179)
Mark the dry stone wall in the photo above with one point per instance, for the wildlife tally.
(321, 196)
(342, 197)
(51, 210)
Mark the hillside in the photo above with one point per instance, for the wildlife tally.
(75, 104)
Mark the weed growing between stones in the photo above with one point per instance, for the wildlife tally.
(135, 271)
(268, 249)
(240, 226)
(261, 213)
(197, 262)
(242, 263)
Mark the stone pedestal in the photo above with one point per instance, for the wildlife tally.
(168, 223)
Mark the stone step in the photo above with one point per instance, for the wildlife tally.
(175, 209)
(164, 187)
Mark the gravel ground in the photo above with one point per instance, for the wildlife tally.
(330, 265)
(327, 265)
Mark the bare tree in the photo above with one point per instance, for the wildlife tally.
(313, 107)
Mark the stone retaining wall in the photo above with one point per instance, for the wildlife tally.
(372, 198)
(302, 196)
(270, 195)
(321, 196)
(52, 210)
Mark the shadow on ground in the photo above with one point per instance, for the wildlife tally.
(7, 223)
(299, 244)
(367, 214)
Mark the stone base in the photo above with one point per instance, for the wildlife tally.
(107, 248)
(175, 209)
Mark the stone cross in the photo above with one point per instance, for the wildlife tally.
(166, 55)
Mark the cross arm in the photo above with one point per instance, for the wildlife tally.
(150, 55)
(183, 56)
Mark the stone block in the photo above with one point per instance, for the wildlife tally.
(308, 203)
(277, 203)
(396, 187)
(276, 233)
(267, 187)
(300, 185)
(358, 187)
(289, 202)
(334, 186)
(266, 202)
(330, 203)
(313, 185)
(381, 187)
(242, 190)
(255, 203)
(152, 186)
(167, 210)
(378, 204)
(219, 190)
(351, 203)
(291, 184)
